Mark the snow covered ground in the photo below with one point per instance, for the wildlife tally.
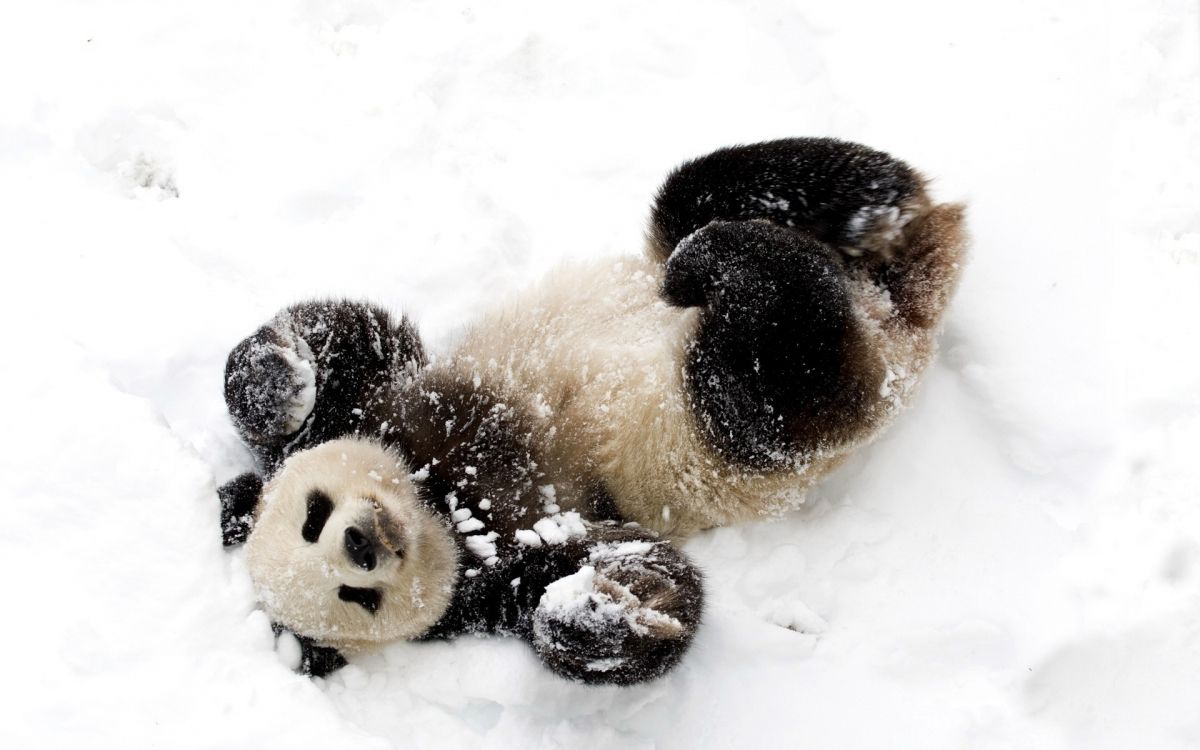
(1016, 564)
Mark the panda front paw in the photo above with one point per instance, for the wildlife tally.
(270, 384)
(623, 619)
(239, 498)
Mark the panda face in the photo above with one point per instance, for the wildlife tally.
(344, 552)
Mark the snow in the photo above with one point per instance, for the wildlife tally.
(484, 546)
(570, 593)
(302, 405)
(591, 601)
(528, 537)
(605, 550)
(1015, 564)
(557, 528)
(469, 525)
(550, 531)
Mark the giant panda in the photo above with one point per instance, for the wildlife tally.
(533, 480)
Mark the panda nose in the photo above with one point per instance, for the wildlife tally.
(360, 549)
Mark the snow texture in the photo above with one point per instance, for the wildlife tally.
(593, 602)
(1015, 564)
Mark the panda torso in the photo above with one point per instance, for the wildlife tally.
(595, 356)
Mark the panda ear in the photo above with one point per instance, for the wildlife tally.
(239, 498)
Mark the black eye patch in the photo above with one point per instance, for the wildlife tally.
(368, 599)
(320, 507)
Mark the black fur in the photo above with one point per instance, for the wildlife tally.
(505, 599)
(752, 235)
(449, 425)
(368, 599)
(815, 184)
(315, 660)
(358, 350)
(239, 497)
(320, 507)
(442, 425)
(775, 367)
(572, 649)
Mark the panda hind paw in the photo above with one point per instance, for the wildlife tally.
(623, 619)
(882, 230)
(725, 260)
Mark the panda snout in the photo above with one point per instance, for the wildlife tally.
(360, 548)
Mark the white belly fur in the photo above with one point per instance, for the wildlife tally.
(596, 355)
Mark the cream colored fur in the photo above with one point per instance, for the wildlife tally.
(298, 582)
(598, 357)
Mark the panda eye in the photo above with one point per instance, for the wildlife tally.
(368, 599)
(320, 507)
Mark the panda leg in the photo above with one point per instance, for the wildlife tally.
(309, 374)
(764, 238)
(849, 196)
(778, 365)
(623, 610)
(869, 205)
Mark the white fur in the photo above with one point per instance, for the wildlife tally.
(298, 582)
(597, 358)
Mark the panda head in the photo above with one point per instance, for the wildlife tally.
(344, 552)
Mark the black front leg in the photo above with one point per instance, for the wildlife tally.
(778, 365)
(617, 606)
(312, 372)
(626, 615)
